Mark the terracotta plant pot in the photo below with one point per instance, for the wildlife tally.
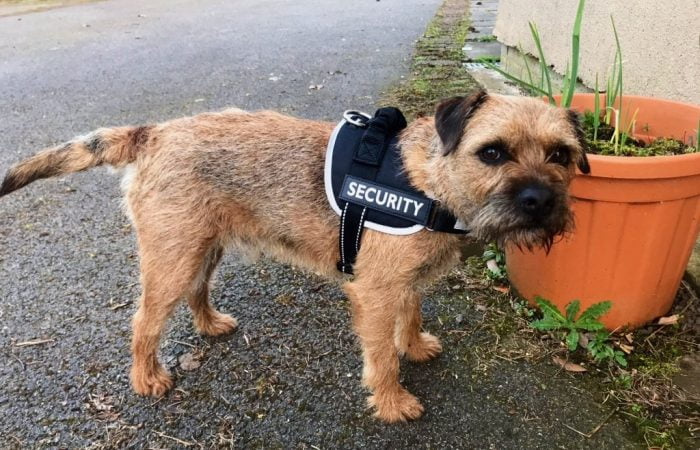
(637, 219)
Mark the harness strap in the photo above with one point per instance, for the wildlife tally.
(366, 161)
(384, 125)
(442, 220)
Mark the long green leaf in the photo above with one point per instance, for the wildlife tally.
(589, 318)
(620, 359)
(612, 88)
(543, 61)
(549, 309)
(565, 82)
(575, 44)
(630, 127)
(589, 325)
(612, 82)
(572, 340)
(596, 110)
(546, 324)
(572, 310)
(527, 66)
(515, 79)
(618, 52)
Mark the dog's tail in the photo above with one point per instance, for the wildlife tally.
(116, 147)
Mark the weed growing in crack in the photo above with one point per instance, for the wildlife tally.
(575, 327)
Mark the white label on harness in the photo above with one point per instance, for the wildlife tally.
(386, 199)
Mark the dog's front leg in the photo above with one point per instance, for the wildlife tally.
(417, 345)
(375, 308)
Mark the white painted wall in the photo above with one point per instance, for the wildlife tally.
(660, 41)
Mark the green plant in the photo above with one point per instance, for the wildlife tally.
(495, 260)
(554, 320)
(521, 307)
(529, 86)
(574, 325)
(596, 110)
(529, 72)
(623, 381)
(614, 91)
(630, 129)
(571, 73)
(600, 347)
(614, 81)
(544, 68)
(571, 76)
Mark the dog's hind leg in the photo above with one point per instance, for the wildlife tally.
(207, 320)
(170, 265)
(410, 340)
(375, 306)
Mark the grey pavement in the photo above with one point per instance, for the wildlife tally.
(289, 376)
(483, 18)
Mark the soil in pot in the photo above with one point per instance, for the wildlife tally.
(631, 147)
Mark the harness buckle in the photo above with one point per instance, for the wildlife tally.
(442, 220)
(434, 207)
(357, 118)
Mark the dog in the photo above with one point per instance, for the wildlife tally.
(254, 182)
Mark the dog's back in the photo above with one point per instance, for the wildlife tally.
(252, 180)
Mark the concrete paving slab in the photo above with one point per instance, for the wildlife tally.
(476, 50)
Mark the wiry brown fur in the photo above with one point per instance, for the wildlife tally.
(254, 181)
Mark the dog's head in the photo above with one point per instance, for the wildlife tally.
(503, 165)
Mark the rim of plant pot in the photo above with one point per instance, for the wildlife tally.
(645, 167)
(640, 179)
(658, 117)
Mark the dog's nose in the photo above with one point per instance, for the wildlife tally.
(535, 200)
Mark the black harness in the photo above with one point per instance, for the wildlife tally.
(367, 186)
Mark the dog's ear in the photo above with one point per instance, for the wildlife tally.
(575, 120)
(451, 118)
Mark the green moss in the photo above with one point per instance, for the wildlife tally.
(490, 59)
(667, 147)
(662, 364)
(437, 71)
(659, 147)
(656, 434)
(487, 38)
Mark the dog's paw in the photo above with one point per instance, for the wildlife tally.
(216, 324)
(426, 347)
(399, 406)
(154, 383)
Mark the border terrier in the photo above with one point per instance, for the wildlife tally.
(254, 182)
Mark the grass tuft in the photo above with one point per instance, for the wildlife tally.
(437, 70)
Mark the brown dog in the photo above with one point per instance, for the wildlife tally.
(254, 181)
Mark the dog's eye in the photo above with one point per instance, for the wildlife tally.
(559, 156)
(493, 155)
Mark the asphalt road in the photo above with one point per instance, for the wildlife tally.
(289, 377)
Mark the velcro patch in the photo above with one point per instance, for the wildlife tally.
(386, 199)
